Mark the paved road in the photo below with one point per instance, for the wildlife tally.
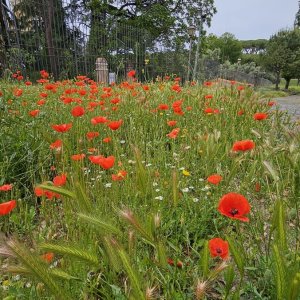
(291, 104)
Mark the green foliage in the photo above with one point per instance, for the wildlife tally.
(282, 55)
(146, 234)
(230, 47)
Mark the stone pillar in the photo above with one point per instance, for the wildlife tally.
(101, 70)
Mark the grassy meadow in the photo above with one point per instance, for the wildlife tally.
(147, 191)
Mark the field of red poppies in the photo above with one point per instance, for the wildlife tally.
(147, 191)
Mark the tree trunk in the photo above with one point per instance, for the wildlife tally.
(3, 26)
(287, 83)
(49, 16)
(277, 81)
(197, 52)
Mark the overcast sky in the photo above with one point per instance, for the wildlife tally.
(253, 19)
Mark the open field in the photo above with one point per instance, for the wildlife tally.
(147, 191)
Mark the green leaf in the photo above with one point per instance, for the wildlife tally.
(294, 289)
(102, 226)
(278, 223)
(280, 273)
(71, 250)
(58, 190)
(132, 274)
(205, 259)
(37, 268)
(238, 258)
(271, 170)
(229, 277)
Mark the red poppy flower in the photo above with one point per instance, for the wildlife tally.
(234, 206)
(99, 119)
(260, 116)
(131, 73)
(44, 74)
(44, 95)
(81, 92)
(172, 123)
(176, 88)
(50, 195)
(107, 140)
(120, 176)
(178, 111)
(80, 83)
(115, 100)
(208, 96)
(95, 159)
(28, 83)
(209, 110)
(207, 83)
(240, 87)
(7, 207)
(38, 191)
(41, 102)
(6, 187)
(271, 103)
(163, 106)
(218, 247)
(48, 257)
(214, 179)
(243, 145)
(105, 162)
(81, 77)
(34, 113)
(170, 261)
(114, 125)
(240, 112)
(42, 81)
(62, 127)
(77, 157)
(91, 135)
(173, 134)
(18, 92)
(50, 87)
(56, 145)
(77, 111)
(60, 180)
(92, 104)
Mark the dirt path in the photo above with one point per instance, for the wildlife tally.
(290, 104)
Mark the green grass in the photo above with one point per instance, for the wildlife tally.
(294, 88)
(145, 236)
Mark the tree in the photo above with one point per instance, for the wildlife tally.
(282, 55)
(254, 46)
(42, 29)
(230, 47)
(297, 18)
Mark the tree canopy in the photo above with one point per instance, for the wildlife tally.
(230, 47)
(283, 55)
